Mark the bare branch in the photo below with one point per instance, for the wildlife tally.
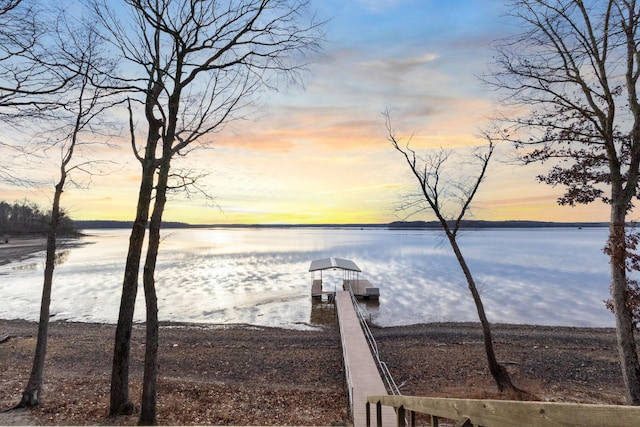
(575, 68)
(429, 169)
(193, 66)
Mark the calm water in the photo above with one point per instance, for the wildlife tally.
(260, 276)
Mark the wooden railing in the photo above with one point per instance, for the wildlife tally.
(502, 413)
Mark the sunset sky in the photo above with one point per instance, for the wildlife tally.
(320, 154)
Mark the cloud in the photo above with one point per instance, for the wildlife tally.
(379, 6)
(401, 65)
(286, 127)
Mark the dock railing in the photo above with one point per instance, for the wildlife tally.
(390, 383)
(502, 413)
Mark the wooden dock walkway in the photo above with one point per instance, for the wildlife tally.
(363, 377)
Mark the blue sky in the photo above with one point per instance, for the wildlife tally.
(318, 153)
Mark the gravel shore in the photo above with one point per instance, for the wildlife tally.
(245, 375)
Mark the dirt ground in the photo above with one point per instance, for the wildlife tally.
(244, 375)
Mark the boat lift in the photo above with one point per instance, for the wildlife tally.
(350, 281)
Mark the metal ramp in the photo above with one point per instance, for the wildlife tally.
(363, 377)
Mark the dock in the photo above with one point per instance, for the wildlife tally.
(361, 370)
(361, 288)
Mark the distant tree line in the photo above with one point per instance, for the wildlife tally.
(27, 218)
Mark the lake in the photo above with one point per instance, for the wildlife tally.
(547, 276)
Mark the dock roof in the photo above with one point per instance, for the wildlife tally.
(327, 263)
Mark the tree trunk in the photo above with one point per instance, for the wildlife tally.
(120, 403)
(31, 396)
(148, 412)
(624, 322)
(499, 373)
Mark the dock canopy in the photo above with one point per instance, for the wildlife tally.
(327, 263)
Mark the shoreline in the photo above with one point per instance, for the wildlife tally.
(176, 324)
(245, 374)
(261, 288)
(326, 323)
(239, 374)
(20, 248)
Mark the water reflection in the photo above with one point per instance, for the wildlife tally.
(61, 258)
(323, 313)
(260, 276)
(26, 266)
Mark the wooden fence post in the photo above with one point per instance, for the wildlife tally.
(368, 413)
(400, 416)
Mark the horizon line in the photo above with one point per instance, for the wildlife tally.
(398, 223)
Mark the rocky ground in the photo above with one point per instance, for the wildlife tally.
(244, 375)
(560, 364)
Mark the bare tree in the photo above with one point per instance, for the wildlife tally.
(29, 68)
(574, 69)
(20, 35)
(193, 65)
(439, 193)
(29, 76)
(77, 111)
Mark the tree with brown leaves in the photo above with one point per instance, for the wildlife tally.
(574, 70)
